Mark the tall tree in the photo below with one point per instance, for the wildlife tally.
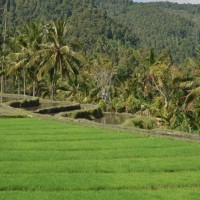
(33, 34)
(3, 49)
(59, 57)
(104, 73)
(193, 95)
(18, 59)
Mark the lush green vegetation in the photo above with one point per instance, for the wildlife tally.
(52, 160)
(145, 65)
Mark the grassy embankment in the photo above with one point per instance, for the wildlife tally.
(42, 159)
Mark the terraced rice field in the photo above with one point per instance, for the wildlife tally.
(50, 160)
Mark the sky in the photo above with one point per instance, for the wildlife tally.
(175, 1)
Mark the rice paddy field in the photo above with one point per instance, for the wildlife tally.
(43, 159)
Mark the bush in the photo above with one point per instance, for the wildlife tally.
(96, 113)
(116, 105)
(24, 103)
(58, 109)
(85, 114)
(12, 116)
(78, 114)
(120, 107)
(132, 104)
(81, 114)
(102, 105)
(142, 122)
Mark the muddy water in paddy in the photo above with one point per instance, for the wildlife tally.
(113, 118)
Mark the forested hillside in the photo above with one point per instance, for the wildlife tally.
(160, 25)
(86, 22)
(152, 25)
(123, 56)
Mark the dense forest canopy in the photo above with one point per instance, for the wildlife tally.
(126, 56)
(86, 21)
(160, 25)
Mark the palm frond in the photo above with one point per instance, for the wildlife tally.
(186, 84)
(47, 65)
(65, 50)
(192, 97)
(16, 66)
(15, 56)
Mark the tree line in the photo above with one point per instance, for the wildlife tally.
(40, 61)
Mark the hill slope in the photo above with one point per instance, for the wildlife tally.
(151, 25)
(160, 25)
(87, 22)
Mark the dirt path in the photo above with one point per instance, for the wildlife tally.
(177, 135)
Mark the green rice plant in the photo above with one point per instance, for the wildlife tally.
(43, 159)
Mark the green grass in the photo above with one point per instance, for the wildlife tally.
(42, 159)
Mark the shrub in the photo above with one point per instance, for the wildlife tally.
(86, 114)
(24, 103)
(96, 113)
(132, 104)
(102, 105)
(13, 116)
(120, 107)
(142, 122)
(116, 105)
(58, 109)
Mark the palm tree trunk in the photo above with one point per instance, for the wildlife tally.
(161, 92)
(4, 46)
(52, 90)
(5, 84)
(1, 89)
(76, 80)
(24, 81)
(18, 88)
(34, 82)
(34, 88)
(53, 87)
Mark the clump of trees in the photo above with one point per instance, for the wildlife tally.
(40, 56)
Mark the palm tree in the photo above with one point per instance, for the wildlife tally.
(58, 57)
(191, 88)
(16, 59)
(186, 113)
(25, 57)
(193, 83)
(34, 35)
(160, 76)
(3, 49)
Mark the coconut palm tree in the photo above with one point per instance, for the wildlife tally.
(5, 10)
(17, 59)
(193, 83)
(191, 88)
(58, 56)
(25, 57)
(33, 33)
